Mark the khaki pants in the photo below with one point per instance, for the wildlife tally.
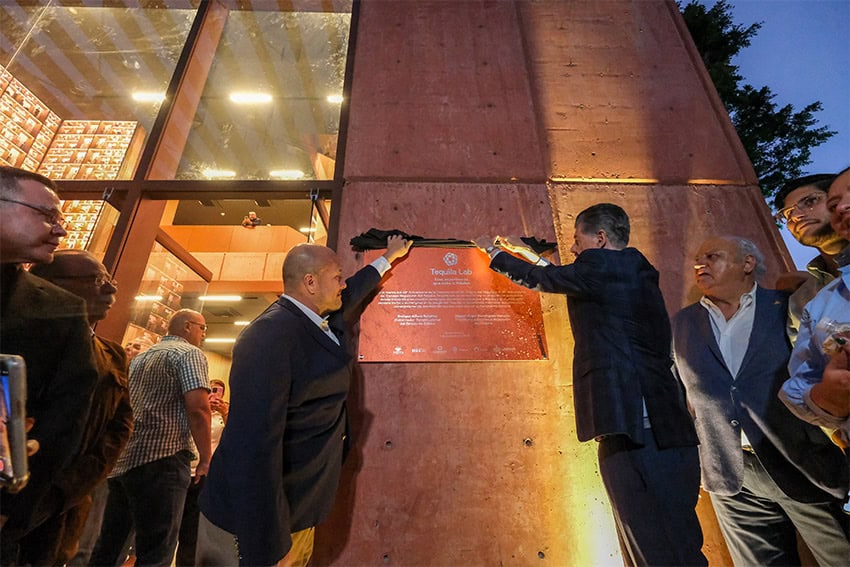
(217, 547)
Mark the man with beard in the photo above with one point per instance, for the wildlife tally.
(819, 388)
(801, 204)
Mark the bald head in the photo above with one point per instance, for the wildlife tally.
(81, 273)
(312, 275)
(189, 324)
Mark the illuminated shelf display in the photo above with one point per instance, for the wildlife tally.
(28, 126)
(93, 149)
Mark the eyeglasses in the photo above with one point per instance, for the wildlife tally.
(99, 280)
(201, 325)
(52, 216)
(805, 204)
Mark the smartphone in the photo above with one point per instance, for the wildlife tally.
(14, 468)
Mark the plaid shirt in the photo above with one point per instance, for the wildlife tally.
(159, 378)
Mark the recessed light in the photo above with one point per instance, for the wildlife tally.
(287, 173)
(141, 96)
(219, 173)
(307, 229)
(250, 98)
(242, 323)
(219, 340)
(335, 98)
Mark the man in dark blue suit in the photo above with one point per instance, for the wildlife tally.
(767, 471)
(626, 396)
(275, 473)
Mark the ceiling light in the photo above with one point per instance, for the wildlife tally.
(148, 298)
(335, 98)
(140, 96)
(219, 340)
(287, 173)
(307, 229)
(250, 98)
(219, 173)
(220, 297)
(242, 323)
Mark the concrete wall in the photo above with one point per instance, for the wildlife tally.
(510, 117)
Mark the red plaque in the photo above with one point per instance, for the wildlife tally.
(447, 304)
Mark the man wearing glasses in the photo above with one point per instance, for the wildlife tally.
(802, 206)
(169, 392)
(81, 485)
(47, 327)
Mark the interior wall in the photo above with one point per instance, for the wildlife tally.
(510, 117)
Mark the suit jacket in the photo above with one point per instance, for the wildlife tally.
(47, 326)
(622, 344)
(278, 465)
(798, 456)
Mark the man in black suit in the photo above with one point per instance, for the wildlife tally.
(768, 472)
(47, 326)
(625, 395)
(275, 473)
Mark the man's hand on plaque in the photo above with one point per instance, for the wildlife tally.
(397, 247)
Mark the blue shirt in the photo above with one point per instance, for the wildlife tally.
(808, 360)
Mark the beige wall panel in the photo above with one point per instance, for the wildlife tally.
(440, 90)
(273, 270)
(243, 266)
(622, 94)
(212, 260)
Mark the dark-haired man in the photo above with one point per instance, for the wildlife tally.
(819, 388)
(801, 204)
(47, 326)
(626, 396)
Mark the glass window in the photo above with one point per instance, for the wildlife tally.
(80, 86)
(167, 286)
(271, 103)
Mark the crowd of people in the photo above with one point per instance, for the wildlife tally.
(745, 393)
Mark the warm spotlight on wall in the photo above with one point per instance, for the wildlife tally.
(335, 98)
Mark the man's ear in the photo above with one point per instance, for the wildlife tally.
(601, 238)
(749, 264)
(309, 281)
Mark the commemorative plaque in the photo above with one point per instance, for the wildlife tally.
(446, 304)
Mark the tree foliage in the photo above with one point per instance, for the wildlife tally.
(777, 140)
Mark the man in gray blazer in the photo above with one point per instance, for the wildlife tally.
(768, 473)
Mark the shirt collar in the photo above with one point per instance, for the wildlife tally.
(320, 321)
(747, 299)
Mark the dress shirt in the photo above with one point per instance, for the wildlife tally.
(733, 336)
(808, 361)
(381, 264)
(819, 277)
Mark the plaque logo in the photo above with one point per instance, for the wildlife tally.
(450, 259)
